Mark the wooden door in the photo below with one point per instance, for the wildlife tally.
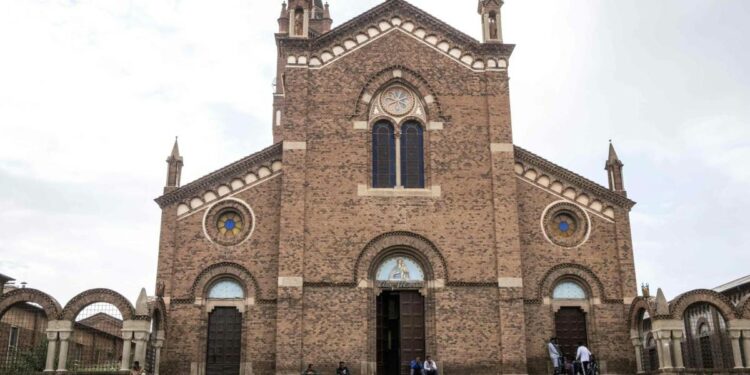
(224, 342)
(570, 325)
(412, 329)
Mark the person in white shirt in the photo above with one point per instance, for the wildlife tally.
(554, 354)
(430, 367)
(584, 356)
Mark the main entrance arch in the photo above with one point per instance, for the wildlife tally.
(400, 314)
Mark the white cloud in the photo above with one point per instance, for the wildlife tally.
(92, 92)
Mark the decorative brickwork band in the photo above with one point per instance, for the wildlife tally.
(50, 305)
(89, 297)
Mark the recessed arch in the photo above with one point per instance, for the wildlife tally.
(84, 299)
(639, 305)
(400, 243)
(678, 306)
(225, 269)
(571, 271)
(402, 75)
(48, 303)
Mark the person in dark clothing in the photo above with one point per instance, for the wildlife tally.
(415, 367)
(342, 370)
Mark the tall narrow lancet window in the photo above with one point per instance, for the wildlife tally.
(383, 155)
(412, 156)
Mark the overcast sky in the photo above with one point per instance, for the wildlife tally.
(92, 93)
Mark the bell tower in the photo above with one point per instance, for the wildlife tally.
(492, 29)
(305, 18)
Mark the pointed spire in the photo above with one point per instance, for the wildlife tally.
(141, 305)
(662, 306)
(613, 166)
(327, 11)
(284, 19)
(174, 169)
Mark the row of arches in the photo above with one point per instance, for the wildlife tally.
(701, 330)
(97, 330)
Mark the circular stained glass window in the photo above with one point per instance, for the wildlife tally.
(397, 101)
(230, 223)
(566, 224)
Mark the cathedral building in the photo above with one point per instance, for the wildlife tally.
(392, 218)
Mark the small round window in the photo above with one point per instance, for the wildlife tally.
(569, 290)
(229, 222)
(565, 225)
(226, 289)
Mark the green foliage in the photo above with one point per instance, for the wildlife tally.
(25, 362)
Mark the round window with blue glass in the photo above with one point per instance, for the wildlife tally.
(566, 224)
(229, 222)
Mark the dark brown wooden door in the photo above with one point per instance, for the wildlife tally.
(570, 325)
(224, 342)
(412, 329)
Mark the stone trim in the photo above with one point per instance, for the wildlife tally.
(510, 282)
(433, 191)
(326, 284)
(291, 282)
(501, 147)
(529, 160)
(384, 78)
(471, 284)
(291, 146)
(223, 175)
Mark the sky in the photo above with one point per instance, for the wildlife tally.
(93, 92)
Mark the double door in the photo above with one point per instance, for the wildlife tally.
(224, 342)
(400, 331)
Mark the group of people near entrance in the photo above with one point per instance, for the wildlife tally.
(416, 367)
(583, 363)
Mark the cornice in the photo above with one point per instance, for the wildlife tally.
(572, 178)
(219, 176)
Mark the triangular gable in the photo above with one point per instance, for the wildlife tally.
(219, 183)
(569, 185)
(395, 16)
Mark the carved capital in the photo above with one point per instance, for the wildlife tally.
(65, 336)
(677, 334)
(51, 336)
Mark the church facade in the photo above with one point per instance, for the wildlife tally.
(393, 218)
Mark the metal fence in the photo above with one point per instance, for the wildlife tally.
(23, 341)
(96, 344)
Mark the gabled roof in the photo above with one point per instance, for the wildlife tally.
(733, 284)
(580, 184)
(223, 175)
(408, 12)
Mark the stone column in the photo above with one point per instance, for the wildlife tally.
(62, 362)
(158, 344)
(664, 341)
(51, 351)
(677, 348)
(736, 334)
(140, 338)
(746, 346)
(127, 336)
(638, 346)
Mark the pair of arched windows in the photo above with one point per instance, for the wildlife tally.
(398, 159)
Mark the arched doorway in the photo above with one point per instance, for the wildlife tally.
(707, 342)
(224, 347)
(570, 317)
(400, 314)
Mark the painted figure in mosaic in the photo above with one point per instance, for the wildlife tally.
(400, 271)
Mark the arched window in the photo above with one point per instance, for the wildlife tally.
(412, 157)
(383, 155)
(226, 289)
(568, 290)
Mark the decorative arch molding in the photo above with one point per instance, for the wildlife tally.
(159, 306)
(51, 307)
(402, 75)
(639, 304)
(573, 271)
(678, 306)
(405, 243)
(91, 296)
(213, 272)
(743, 307)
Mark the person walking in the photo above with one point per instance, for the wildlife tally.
(555, 355)
(430, 367)
(583, 355)
(342, 370)
(415, 367)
